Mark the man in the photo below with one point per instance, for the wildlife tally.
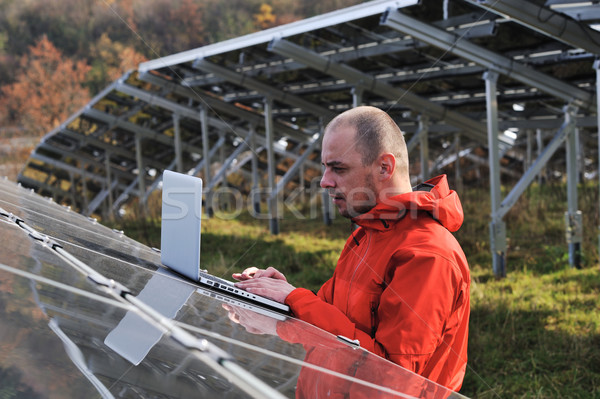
(401, 284)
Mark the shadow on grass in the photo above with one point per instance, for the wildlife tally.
(515, 354)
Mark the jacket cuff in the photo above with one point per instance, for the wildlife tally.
(296, 296)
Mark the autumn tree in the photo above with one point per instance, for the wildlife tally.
(265, 17)
(170, 26)
(48, 88)
(110, 60)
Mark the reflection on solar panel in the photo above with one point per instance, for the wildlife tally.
(87, 312)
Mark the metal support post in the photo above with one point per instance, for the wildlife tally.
(254, 162)
(458, 181)
(597, 68)
(573, 217)
(580, 157)
(540, 147)
(424, 146)
(178, 159)
(109, 185)
(272, 199)
(301, 185)
(141, 173)
(206, 156)
(84, 191)
(326, 200)
(357, 96)
(222, 161)
(497, 225)
(529, 151)
(73, 190)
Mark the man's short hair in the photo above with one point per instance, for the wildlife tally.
(376, 133)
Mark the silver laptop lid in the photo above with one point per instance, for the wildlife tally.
(181, 223)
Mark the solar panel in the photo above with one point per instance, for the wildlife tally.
(87, 311)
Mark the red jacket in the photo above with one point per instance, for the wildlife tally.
(401, 285)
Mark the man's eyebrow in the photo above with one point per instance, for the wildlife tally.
(333, 163)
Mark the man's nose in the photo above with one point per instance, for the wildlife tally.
(326, 181)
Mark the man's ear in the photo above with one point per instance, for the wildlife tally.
(387, 166)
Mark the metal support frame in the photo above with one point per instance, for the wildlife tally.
(357, 96)
(497, 225)
(223, 161)
(84, 188)
(146, 133)
(285, 48)
(528, 150)
(109, 184)
(177, 144)
(206, 157)
(222, 107)
(580, 156)
(567, 127)
(424, 146)
(125, 194)
(200, 165)
(358, 11)
(326, 201)
(89, 140)
(70, 168)
(295, 168)
(597, 68)
(454, 44)
(547, 22)
(254, 165)
(458, 180)
(99, 198)
(157, 181)
(301, 179)
(539, 138)
(269, 135)
(239, 78)
(573, 216)
(414, 140)
(221, 173)
(72, 192)
(141, 172)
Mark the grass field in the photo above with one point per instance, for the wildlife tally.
(533, 334)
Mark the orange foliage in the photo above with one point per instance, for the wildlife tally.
(48, 88)
(265, 18)
(113, 59)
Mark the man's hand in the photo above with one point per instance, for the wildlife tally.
(269, 283)
(254, 272)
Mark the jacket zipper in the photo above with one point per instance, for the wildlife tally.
(373, 319)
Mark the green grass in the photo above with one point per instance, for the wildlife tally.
(533, 334)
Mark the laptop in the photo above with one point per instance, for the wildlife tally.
(180, 237)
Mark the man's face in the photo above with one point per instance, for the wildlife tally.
(350, 184)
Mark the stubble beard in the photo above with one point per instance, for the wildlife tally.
(364, 203)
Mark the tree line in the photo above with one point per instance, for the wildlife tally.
(55, 55)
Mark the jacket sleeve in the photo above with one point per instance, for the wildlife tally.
(413, 309)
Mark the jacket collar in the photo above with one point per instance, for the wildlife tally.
(434, 197)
